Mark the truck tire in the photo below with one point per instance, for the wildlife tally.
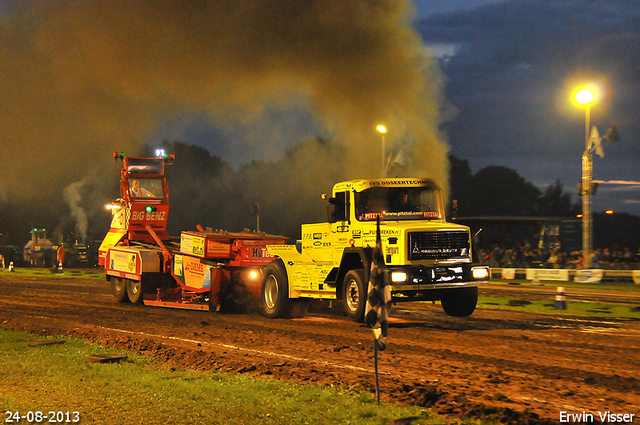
(354, 294)
(119, 289)
(134, 290)
(460, 302)
(275, 291)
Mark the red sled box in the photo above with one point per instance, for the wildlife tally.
(206, 245)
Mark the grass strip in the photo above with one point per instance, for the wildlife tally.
(97, 273)
(56, 378)
(620, 286)
(574, 308)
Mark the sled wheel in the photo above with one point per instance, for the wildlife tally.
(134, 290)
(119, 289)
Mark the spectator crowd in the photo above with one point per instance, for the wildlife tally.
(527, 256)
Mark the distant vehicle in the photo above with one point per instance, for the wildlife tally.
(11, 253)
(39, 251)
(78, 256)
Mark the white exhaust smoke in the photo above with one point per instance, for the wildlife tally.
(73, 197)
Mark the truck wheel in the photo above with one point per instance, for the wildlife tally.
(354, 294)
(119, 289)
(460, 302)
(275, 291)
(134, 290)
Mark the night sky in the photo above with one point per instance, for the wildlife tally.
(511, 68)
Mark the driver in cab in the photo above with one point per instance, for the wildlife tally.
(137, 191)
(405, 203)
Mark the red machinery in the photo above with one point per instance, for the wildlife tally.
(145, 265)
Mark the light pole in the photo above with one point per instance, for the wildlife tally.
(585, 97)
(382, 129)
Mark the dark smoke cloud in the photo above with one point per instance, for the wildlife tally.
(80, 79)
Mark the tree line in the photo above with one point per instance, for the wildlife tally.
(501, 191)
(206, 190)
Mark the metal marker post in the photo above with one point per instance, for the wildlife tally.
(375, 362)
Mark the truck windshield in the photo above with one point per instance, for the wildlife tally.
(146, 188)
(394, 203)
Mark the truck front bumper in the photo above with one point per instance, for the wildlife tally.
(413, 281)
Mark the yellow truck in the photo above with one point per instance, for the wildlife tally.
(427, 258)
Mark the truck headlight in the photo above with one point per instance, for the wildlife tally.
(480, 272)
(397, 277)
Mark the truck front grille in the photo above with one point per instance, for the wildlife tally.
(438, 245)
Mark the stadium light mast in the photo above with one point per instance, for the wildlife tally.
(586, 97)
(382, 129)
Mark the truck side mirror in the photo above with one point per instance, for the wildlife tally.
(337, 208)
(331, 213)
(336, 212)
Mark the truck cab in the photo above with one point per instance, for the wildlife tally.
(144, 201)
(426, 257)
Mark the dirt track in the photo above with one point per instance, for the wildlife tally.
(517, 367)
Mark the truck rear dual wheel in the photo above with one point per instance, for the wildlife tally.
(119, 289)
(354, 294)
(460, 302)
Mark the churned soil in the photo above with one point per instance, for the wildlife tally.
(509, 366)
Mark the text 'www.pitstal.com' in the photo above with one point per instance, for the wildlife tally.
(603, 417)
